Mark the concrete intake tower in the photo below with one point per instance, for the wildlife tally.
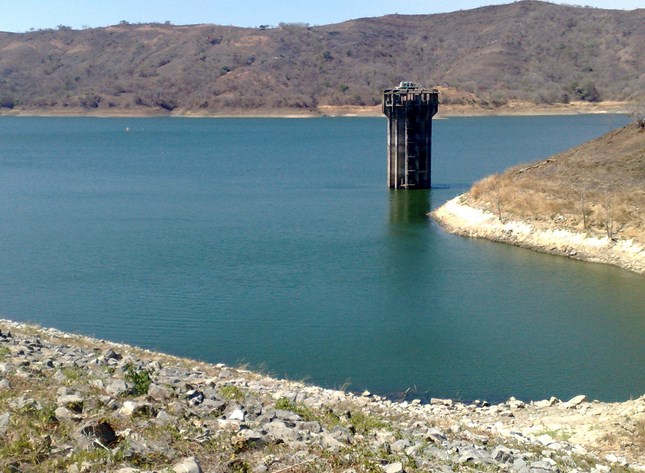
(409, 109)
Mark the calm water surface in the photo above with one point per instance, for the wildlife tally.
(275, 242)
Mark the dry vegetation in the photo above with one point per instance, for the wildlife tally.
(524, 51)
(598, 187)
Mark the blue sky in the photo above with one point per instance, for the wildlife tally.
(21, 15)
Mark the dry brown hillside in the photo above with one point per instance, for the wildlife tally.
(527, 51)
(598, 187)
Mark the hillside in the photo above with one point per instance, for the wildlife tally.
(524, 51)
(587, 203)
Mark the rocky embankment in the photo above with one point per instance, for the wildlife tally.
(77, 404)
(460, 218)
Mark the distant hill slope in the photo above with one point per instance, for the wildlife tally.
(527, 50)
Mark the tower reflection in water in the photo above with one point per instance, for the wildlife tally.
(409, 207)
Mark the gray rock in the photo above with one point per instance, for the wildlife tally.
(568, 461)
(286, 415)
(435, 401)
(435, 436)
(84, 467)
(72, 402)
(97, 362)
(545, 464)
(438, 453)
(341, 434)
(465, 458)
(137, 449)
(515, 403)
(260, 468)
(601, 469)
(249, 438)
(194, 397)
(97, 383)
(278, 430)
(253, 410)
(176, 408)
(575, 401)
(444, 469)
(290, 396)
(520, 465)
(24, 403)
(159, 393)
(400, 445)
(330, 443)
(211, 407)
(547, 402)
(134, 408)
(267, 416)
(64, 414)
(117, 387)
(188, 465)
(502, 454)
(237, 414)
(313, 427)
(163, 418)
(4, 423)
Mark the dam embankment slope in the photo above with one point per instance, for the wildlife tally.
(73, 403)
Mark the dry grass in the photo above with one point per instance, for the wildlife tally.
(598, 187)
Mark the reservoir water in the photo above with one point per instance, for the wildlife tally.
(276, 243)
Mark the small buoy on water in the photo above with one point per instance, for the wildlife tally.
(127, 129)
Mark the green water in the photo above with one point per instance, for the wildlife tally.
(276, 243)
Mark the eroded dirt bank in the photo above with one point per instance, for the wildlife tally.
(459, 218)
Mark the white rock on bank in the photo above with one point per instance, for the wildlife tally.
(188, 465)
(575, 401)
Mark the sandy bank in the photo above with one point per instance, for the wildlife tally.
(459, 218)
(445, 111)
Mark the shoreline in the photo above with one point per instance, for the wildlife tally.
(200, 415)
(445, 111)
(459, 218)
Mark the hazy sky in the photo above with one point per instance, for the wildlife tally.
(21, 15)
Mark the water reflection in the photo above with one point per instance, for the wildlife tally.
(409, 207)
